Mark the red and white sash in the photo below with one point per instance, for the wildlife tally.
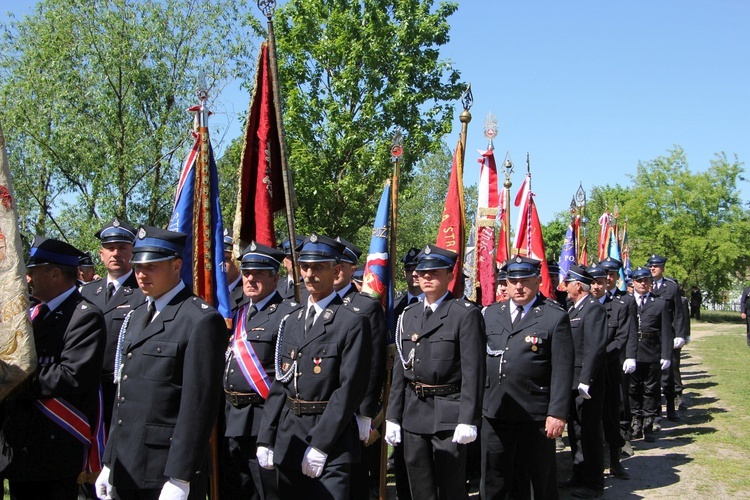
(250, 365)
(73, 421)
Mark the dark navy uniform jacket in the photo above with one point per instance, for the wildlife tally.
(448, 350)
(262, 330)
(169, 394)
(69, 345)
(333, 365)
(588, 325)
(532, 377)
(655, 333)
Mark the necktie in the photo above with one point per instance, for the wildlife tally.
(110, 291)
(38, 314)
(519, 315)
(149, 315)
(310, 319)
(251, 311)
(643, 301)
(426, 314)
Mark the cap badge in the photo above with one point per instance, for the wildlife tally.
(116, 222)
(141, 233)
(427, 250)
(253, 246)
(519, 260)
(314, 238)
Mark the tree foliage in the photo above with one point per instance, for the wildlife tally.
(93, 99)
(352, 71)
(695, 219)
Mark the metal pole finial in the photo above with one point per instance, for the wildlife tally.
(467, 98)
(397, 146)
(490, 129)
(267, 7)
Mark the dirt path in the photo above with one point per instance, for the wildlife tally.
(667, 468)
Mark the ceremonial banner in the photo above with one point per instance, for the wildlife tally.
(17, 353)
(604, 235)
(568, 253)
(487, 209)
(261, 192)
(197, 212)
(522, 202)
(451, 233)
(626, 269)
(470, 266)
(529, 238)
(503, 252)
(377, 276)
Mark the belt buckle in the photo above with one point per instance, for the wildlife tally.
(233, 399)
(419, 389)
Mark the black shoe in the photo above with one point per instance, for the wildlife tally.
(648, 437)
(673, 417)
(619, 471)
(586, 492)
(571, 483)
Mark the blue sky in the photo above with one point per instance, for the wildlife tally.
(589, 88)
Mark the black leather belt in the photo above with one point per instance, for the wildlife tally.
(302, 407)
(239, 399)
(423, 390)
(642, 335)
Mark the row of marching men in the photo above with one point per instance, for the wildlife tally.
(301, 382)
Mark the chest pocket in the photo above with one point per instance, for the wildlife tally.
(443, 345)
(159, 358)
(324, 360)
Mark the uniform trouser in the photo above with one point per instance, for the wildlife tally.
(198, 491)
(436, 466)
(333, 484)
(625, 414)
(612, 407)
(59, 489)
(399, 471)
(243, 478)
(645, 397)
(513, 449)
(584, 432)
(747, 324)
(366, 474)
(671, 378)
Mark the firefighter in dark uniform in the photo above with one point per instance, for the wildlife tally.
(527, 397)
(435, 400)
(249, 372)
(365, 474)
(69, 335)
(745, 310)
(116, 295)
(650, 355)
(621, 330)
(170, 362)
(309, 431)
(286, 283)
(413, 293)
(234, 279)
(588, 325)
(612, 266)
(669, 290)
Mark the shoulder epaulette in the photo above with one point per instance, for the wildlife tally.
(201, 304)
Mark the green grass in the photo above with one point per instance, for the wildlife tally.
(721, 317)
(720, 417)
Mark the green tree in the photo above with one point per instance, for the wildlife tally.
(350, 72)
(94, 95)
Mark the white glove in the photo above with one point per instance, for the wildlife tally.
(363, 423)
(679, 342)
(392, 433)
(583, 390)
(265, 457)
(313, 462)
(665, 363)
(175, 489)
(464, 434)
(102, 486)
(628, 366)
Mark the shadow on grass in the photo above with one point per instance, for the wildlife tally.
(720, 317)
